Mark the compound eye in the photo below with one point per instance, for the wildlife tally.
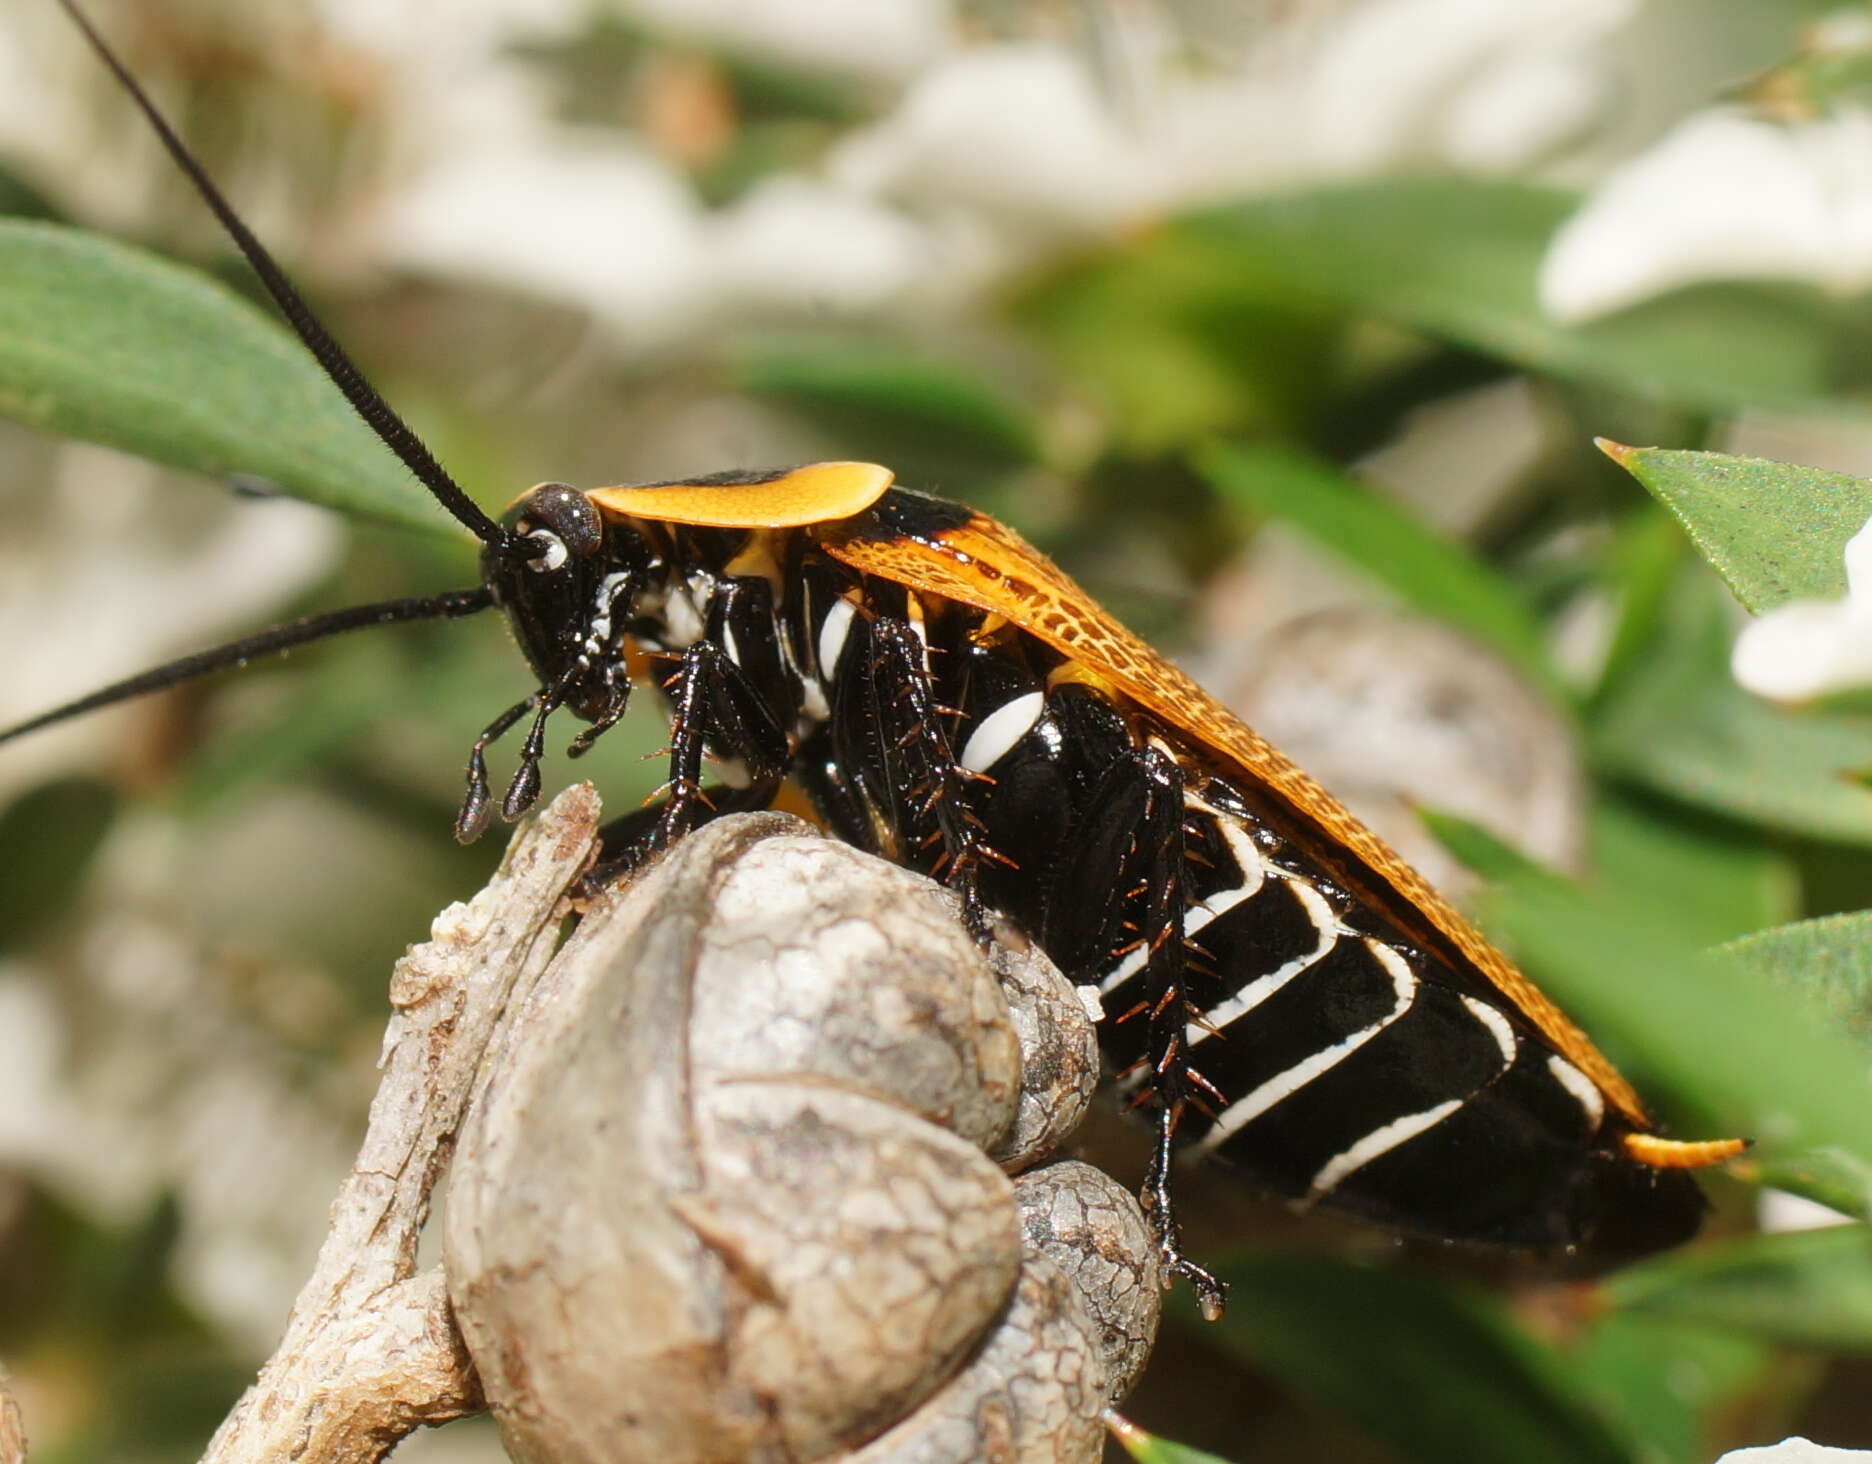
(558, 523)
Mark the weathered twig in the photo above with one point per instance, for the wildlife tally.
(12, 1429)
(370, 1350)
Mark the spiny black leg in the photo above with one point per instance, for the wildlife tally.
(1160, 843)
(689, 729)
(472, 818)
(715, 706)
(918, 751)
(1211, 1294)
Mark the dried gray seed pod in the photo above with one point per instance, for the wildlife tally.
(723, 1192)
(1090, 1226)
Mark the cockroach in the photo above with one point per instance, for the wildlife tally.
(1281, 991)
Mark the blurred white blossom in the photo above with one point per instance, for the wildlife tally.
(995, 151)
(1795, 1451)
(1471, 82)
(797, 241)
(581, 216)
(1725, 195)
(120, 594)
(1811, 647)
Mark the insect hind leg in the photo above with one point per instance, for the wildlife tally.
(1130, 841)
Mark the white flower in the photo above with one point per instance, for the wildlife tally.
(1795, 1451)
(818, 249)
(1473, 82)
(1811, 647)
(560, 214)
(1019, 132)
(1725, 195)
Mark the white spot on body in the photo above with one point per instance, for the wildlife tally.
(997, 733)
(682, 617)
(1244, 1110)
(833, 631)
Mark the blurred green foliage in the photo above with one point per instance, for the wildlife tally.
(1141, 407)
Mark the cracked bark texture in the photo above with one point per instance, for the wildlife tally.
(725, 1192)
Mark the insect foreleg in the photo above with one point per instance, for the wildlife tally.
(717, 707)
(472, 818)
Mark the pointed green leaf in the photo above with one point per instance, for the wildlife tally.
(105, 342)
(1774, 531)
(1827, 961)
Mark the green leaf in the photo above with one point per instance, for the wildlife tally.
(1810, 1288)
(1774, 531)
(1458, 259)
(1716, 880)
(1176, 342)
(1671, 1383)
(1437, 1371)
(937, 425)
(1428, 572)
(1704, 740)
(1827, 961)
(105, 342)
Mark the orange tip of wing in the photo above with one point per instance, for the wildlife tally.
(1679, 1154)
(814, 494)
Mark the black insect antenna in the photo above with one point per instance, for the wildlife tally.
(338, 365)
(270, 642)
